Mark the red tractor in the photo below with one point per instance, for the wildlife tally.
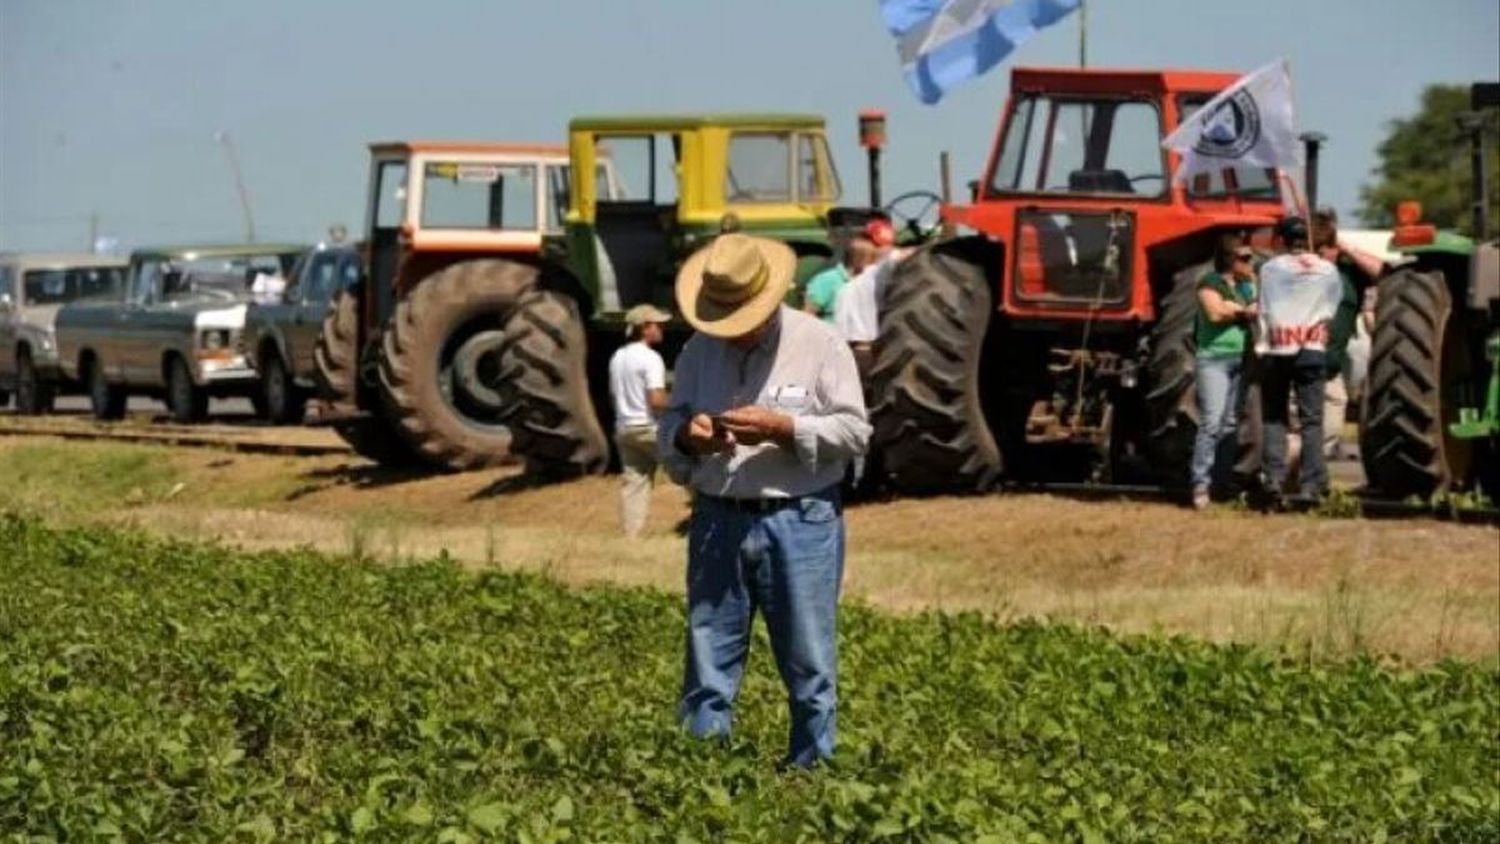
(1056, 343)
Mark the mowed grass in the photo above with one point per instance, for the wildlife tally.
(1418, 590)
(155, 690)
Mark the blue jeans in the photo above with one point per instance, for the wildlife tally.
(788, 563)
(1219, 406)
(1303, 375)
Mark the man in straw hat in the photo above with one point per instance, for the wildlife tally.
(638, 386)
(765, 414)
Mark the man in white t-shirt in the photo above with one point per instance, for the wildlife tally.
(856, 311)
(638, 386)
(1299, 294)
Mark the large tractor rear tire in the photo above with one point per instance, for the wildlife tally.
(337, 359)
(544, 383)
(440, 359)
(1171, 399)
(1417, 358)
(930, 428)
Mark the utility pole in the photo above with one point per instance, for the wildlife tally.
(93, 231)
(239, 181)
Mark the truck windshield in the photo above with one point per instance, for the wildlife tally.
(228, 277)
(1081, 146)
(56, 287)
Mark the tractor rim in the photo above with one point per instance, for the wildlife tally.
(468, 364)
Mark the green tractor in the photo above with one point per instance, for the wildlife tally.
(1431, 415)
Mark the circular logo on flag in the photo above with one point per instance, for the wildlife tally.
(1232, 129)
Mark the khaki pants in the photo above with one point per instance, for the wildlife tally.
(637, 445)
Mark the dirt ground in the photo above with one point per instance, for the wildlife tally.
(1418, 590)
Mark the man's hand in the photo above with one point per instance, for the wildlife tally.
(699, 437)
(753, 425)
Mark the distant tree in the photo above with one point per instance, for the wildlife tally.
(1426, 157)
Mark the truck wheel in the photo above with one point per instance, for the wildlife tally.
(440, 357)
(1171, 395)
(1417, 360)
(106, 400)
(930, 429)
(34, 396)
(186, 401)
(545, 388)
(283, 402)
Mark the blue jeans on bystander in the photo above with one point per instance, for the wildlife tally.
(788, 563)
(1220, 403)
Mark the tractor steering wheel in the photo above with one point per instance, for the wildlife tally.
(919, 203)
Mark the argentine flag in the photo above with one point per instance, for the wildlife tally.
(945, 42)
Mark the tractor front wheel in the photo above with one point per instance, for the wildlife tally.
(1418, 360)
(931, 434)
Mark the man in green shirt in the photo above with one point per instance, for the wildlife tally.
(823, 289)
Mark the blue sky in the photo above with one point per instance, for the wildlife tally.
(110, 107)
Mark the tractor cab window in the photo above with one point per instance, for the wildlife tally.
(1081, 146)
(390, 195)
(479, 195)
(645, 168)
(761, 168)
(1244, 182)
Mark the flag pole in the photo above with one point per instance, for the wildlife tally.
(1083, 34)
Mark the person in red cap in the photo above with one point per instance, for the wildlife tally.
(856, 313)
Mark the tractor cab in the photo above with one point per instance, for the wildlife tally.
(436, 202)
(1080, 191)
(677, 177)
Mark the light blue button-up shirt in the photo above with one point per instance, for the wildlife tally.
(802, 368)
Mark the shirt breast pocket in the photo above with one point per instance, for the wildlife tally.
(791, 398)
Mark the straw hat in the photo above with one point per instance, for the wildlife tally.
(731, 286)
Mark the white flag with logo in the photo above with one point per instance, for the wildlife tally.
(1251, 123)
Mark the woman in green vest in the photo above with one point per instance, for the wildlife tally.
(1226, 307)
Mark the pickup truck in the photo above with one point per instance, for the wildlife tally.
(173, 332)
(281, 331)
(33, 288)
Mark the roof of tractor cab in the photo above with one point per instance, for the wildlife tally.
(1072, 80)
(192, 253)
(471, 147)
(668, 122)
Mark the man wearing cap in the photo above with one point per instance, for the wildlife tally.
(638, 385)
(766, 412)
(857, 309)
(1299, 295)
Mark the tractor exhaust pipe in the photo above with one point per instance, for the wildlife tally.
(872, 138)
(1312, 143)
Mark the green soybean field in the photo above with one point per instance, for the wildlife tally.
(153, 690)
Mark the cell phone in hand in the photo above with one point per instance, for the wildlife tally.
(719, 429)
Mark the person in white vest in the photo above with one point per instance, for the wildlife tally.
(638, 384)
(1299, 295)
